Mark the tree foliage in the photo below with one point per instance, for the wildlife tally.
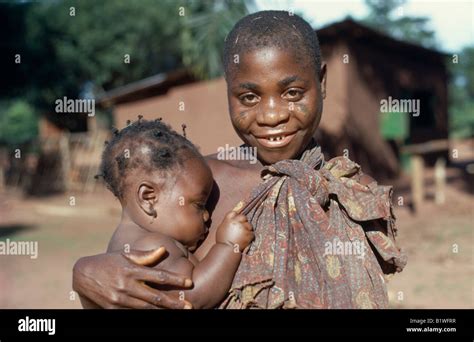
(18, 123)
(390, 17)
(205, 27)
(70, 47)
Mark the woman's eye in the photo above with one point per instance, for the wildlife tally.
(249, 99)
(294, 94)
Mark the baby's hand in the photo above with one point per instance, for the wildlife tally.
(235, 230)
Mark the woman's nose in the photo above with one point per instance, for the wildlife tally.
(271, 113)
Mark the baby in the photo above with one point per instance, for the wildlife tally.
(163, 184)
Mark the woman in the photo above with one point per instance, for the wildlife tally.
(276, 87)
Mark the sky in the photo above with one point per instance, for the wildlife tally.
(452, 21)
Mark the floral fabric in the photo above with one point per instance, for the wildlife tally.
(322, 239)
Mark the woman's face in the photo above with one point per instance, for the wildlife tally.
(275, 102)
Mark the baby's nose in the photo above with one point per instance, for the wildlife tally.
(205, 216)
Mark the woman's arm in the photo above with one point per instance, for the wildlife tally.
(112, 280)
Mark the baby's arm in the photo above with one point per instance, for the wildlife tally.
(213, 275)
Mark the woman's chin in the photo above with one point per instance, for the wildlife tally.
(273, 156)
(270, 155)
(268, 160)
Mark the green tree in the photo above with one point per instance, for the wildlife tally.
(18, 123)
(205, 26)
(389, 17)
(108, 43)
(73, 47)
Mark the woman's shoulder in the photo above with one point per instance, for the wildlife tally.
(219, 166)
(230, 167)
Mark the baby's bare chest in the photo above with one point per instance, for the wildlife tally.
(232, 188)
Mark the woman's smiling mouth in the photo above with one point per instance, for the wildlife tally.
(275, 140)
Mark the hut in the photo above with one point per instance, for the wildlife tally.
(383, 94)
(368, 74)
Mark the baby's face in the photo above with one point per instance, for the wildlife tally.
(275, 102)
(181, 208)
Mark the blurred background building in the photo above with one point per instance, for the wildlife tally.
(379, 67)
(162, 58)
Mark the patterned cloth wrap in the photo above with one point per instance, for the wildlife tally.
(322, 239)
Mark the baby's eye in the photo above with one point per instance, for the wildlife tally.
(249, 99)
(200, 206)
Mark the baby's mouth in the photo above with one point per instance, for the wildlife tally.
(277, 140)
(198, 242)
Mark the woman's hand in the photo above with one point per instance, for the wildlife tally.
(114, 280)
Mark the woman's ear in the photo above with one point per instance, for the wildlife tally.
(147, 197)
(322, 79)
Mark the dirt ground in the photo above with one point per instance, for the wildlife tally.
(435, 277)
(438, 240)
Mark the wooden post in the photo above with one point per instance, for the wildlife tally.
(440, 181)
(417, 173)
(94, 154)
(65, 160)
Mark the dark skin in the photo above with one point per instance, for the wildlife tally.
(275, 105)
(183, 197)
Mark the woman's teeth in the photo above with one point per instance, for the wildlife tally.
(276, 141)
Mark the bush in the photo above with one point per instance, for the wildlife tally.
(18, 123)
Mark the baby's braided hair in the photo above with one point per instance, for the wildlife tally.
(149, 145)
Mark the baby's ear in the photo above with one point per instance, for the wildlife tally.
(147, 197)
